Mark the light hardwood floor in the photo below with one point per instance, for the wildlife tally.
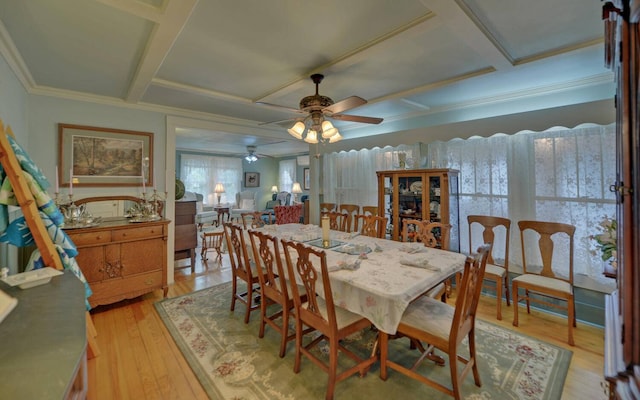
(139, 359)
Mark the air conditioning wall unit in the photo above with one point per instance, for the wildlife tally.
(303, 161)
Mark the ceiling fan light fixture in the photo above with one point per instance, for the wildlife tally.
(328, 130)
(251, 158)
(312, 137)
(335, 138)
(297, 129)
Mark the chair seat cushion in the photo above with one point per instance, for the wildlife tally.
(206, 216)
(495, 270)
(429, 315)
(344, 317)
(544, 282)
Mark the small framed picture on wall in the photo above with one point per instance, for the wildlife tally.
(251, 179)
(307, 179)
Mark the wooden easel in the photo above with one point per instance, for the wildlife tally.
(31, 214)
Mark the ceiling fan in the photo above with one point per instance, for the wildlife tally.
(317, 108)
(251, 155)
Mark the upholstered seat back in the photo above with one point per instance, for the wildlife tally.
(246, 200)
(283, 198)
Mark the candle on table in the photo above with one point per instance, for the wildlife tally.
(144, 188)
(57, 183)
(325, 230)
(71, 181)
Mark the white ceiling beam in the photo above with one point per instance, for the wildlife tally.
(164, 35)
(137, 8)
(466, 29)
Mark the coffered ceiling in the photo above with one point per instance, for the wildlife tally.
(432, 61)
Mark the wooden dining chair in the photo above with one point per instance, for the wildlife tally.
(308, 266)
(486, 228)
(431, 234)
(373, 210)
(288, 214)
(253, 219)
(351, 210)
(437, 235)
(324, 207)
(371, 225)
(242, 269)
(443, 327)
(337, 221)
(274, 288)
(212, 241)
(546, 283)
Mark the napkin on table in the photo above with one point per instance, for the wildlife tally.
(419, 263)
(411, 249)
(344, 264)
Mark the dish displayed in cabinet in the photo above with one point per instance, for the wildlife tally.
(416, 187)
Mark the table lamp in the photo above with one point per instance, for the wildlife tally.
(219, 189)
(295, 190)
(274, 190)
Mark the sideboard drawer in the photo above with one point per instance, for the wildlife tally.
(143, 232)
(90, 238)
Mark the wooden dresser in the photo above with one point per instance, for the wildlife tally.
(186, 232)
(122, 260)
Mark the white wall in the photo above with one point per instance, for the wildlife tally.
(46, 112)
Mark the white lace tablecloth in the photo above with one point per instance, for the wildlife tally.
(387, 280)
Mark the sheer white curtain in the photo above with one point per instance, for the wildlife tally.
(350, 177)
(287, 175)
(200, 173)
(560, 175)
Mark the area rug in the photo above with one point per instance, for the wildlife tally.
(232, 363)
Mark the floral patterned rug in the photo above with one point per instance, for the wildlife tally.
(232, 363)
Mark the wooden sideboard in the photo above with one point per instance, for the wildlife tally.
(186, 232)
(122, 260)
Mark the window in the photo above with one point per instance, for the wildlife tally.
(350, 177)
(200, 173)
(287, 175)
(560, 175)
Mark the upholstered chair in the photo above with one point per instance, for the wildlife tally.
(246, 202)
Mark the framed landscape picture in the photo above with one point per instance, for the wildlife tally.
(251, 179)
(93, 156)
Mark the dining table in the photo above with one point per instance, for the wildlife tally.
(373, 277)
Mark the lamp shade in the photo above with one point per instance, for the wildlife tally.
(297, 129)
(219, 188)
(274, 189)
(328, 130)
(296, 188)
(312, 137)
(335, 138)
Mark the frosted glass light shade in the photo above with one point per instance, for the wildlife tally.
(296, 130)
(335, 138)
(328, 130)
(296, 188)
(312, 137)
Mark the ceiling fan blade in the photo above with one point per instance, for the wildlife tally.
(295, 110)
(357, 118)
(346, 104)
(279, 121)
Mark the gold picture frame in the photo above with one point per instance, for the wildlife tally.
(94, 156)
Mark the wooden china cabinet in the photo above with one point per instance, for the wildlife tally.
(424, 194)
(622, 324)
